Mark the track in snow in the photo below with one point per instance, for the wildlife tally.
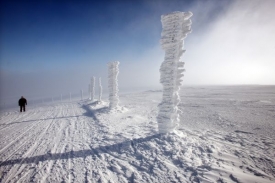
(85, 142)
(41, 142)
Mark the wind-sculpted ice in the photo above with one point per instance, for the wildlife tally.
(113, 84)
(176, 26)
(100, 89)
(92, 92)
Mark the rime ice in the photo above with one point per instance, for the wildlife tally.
(113, 85)
(92, 90)
(176, 26)
(100, 89)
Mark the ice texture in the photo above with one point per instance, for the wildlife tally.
(113, 84)
(92, 92)
(100, 89)
(176, 26)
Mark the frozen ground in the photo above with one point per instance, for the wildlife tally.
(226, 135)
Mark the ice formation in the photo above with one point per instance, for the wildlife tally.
(176, 26)
(89, 91)
(100, 89)
(112, 84)
(92, 91)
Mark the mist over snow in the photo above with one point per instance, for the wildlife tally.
(50, 50)
(232, 42)
(236, 48)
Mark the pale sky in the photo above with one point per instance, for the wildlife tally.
(53, 47)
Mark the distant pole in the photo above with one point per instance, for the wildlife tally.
(70, 96)
(100, 89)
(113, 71)
(61, 97)
(93, 88)
(89, 92)
(81, 91)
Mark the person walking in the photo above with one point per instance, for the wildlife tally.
(22, 103)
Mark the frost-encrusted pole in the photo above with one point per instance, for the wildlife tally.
(100, 89)
(89, 91)
(112, 84)
(93, 88)
(175, 26)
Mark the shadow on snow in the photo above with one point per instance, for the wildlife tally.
(89, 113)
(37, 120)
(81, 153)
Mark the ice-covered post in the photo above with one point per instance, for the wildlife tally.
(93, 88)
(100, 89)
(89, 91)
(175, 26)
(112, 84)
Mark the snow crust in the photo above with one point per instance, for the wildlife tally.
(113, 71)
(176, 26)
(226, 134)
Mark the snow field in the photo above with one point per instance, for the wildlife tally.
(86, 142)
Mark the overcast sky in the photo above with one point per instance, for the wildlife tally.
(53, 47)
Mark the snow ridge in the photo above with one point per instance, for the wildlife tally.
(176, 26)
(113, 84)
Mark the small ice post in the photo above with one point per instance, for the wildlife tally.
(176, 26)
(113, 84)
(100, 89)
(89, 91)
(92, 89)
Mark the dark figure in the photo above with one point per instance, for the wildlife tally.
(22, 103)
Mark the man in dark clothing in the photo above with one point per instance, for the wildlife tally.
(22, 102)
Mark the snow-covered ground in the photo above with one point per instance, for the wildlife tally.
(227, 134)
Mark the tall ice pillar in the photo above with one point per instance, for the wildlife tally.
(113, 84)
(176, 26)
